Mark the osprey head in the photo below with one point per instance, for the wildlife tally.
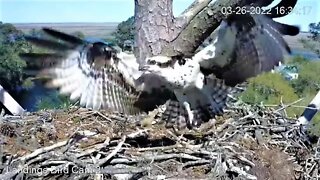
(162, 65)
(170, 68)
(101, 54)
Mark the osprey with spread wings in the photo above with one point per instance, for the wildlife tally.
(194, 89)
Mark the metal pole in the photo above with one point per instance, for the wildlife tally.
(310, 112)
(10, 103)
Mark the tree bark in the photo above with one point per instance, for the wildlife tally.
(201, 26)
(158, 32)
(153, 22)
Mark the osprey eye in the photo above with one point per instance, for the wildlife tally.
(107, 49)
(181, 61)
(152, 62)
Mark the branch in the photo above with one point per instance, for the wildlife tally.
(187, 15)
(288, 105)
(113, 153)
(199, 28)
(43, 150)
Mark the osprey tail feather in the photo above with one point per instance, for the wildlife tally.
(220, 96)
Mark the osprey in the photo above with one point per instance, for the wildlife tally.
(195, 89)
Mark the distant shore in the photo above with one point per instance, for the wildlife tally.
(104, 30)
(100, 30)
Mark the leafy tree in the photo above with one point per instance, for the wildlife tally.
(125, 31)
(313, 42)
(309, 80)
(308, 83)
(307, 86)
(314, 29)
(270, 88)
(11, 66)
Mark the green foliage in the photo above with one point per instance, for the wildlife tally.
(28, 83)
(307, 86)
(313, 42)
(297, 61)
(315, 126)
(314, 29)
(309, 79)
(125, 31)
(53, 101)
(270, 88)
(11, 66)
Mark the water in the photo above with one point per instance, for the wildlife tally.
(28, 99)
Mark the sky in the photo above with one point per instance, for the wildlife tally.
(55, 11)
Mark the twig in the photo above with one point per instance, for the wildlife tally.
(97, 147)
(224, 125)
(43, 150)
(195, 163)
(288, 105)
(113, 153)
(102, 115)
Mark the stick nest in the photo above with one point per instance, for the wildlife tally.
(248, 142)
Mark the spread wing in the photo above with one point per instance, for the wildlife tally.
(244, 46)
(91, 72)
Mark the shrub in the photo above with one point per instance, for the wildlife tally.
(270, 88)
(309, 79)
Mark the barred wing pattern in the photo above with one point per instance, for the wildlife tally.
(102, 78)
(71, 68)
(96, 89)
(244, 46)
(221, 95)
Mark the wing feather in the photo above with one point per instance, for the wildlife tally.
(53, 45)
(245, 46)
(63, 36)
(206, 103)
(70, 70)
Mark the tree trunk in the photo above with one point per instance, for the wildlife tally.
(153, 22)
(158, 32)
